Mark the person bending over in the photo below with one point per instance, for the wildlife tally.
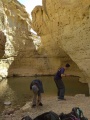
(37, 87)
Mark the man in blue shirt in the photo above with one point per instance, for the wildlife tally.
(59, 82)
(37, 87)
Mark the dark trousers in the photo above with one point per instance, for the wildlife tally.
(61, 88)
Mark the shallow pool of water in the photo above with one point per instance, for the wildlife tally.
(16, 90)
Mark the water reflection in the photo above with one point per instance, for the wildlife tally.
(3, 86)
(17, 90)
(6, 93)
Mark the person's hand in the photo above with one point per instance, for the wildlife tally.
(68, 75)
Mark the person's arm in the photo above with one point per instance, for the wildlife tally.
(64, 75)
(62, 72)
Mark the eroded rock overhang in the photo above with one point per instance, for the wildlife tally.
(66, 28)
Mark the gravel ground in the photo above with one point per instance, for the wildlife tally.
(50, 103)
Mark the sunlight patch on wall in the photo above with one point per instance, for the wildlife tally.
(36, 40)
(33, 31)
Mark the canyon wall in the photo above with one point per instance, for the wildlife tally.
(16, 30)
(2, 36)
(66, 31)
(21, 56)
(63, 32)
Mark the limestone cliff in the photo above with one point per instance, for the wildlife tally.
(2, 35)
(16, 28)
(21, 57)
(62, 26)
(66, 31)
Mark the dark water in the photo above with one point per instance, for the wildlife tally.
(17, 90)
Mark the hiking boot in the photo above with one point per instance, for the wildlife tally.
(40, 104)
(34, 105)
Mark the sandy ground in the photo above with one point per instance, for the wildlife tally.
(51, 104)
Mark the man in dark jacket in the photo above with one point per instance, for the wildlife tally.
(37, 87)
(59, 82)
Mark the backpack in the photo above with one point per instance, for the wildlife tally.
(47, 116)
(78, 113)
(75, 114)
(68, 116)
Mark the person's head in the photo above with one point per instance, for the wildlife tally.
(35, 89)
(67, 65)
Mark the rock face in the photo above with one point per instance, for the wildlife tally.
(63, 26)
(16, 27)
(21, 57)
(2, 35)
(66, 32)
(2, 43)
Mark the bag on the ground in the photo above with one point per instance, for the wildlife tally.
(26, 118)
(68, 116)
(78, 113)
(47, 116)
(75, 114)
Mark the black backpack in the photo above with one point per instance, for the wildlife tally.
(68, 116)
(75, 114)
(47, 116)
(78, 113)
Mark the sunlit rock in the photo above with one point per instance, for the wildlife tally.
(66, 32)
(26, 106)
(2, 35)
(62, 28)
(15, 24)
